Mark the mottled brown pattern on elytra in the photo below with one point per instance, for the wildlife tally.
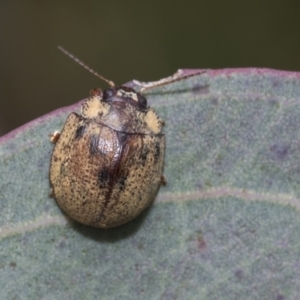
(136, 180)
(119, 139)
(104, 177)
(79, 132)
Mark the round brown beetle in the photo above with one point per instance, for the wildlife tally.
(107, 164)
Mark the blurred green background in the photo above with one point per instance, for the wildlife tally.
(125, 40)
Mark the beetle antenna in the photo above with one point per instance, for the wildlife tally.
(176, 77)
(111, 83)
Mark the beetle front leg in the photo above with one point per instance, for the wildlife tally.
(54, 137)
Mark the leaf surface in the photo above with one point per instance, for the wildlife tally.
(226, 226)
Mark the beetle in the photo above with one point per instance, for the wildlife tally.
(107, 163)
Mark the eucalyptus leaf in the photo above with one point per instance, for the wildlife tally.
(226, 225)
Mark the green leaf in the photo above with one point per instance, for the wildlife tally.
(226, 226)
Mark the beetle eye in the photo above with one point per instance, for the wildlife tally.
(107, 94)
(143, 102)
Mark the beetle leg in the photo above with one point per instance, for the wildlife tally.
(163, 180)
(54, 137)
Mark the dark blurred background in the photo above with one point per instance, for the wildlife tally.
(125, 40)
